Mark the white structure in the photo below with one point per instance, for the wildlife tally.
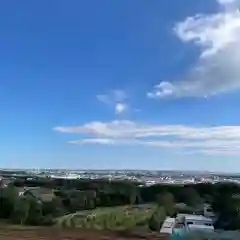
(66, 176)
(168, 225)
(198, 222)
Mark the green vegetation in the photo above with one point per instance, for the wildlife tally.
(157, 219)
(111, 218)
(115, 205)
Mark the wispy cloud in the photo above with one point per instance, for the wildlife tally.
(217, 69)
(221, 139)
(120, 108)
(116, 99)
(104, 141)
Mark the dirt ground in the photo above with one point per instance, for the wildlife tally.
(60, 234)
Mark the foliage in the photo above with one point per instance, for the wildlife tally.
(111, 218)
(157, 219)
(8, 197)
(167, 201)
(82, 196)
(21, 210)
(227, 207)
(54, 208)
(191, 197)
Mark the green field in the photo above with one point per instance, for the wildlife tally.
(112, 218)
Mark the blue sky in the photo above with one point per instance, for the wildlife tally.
(120, 84)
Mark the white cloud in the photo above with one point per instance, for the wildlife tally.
(217, 69)
(120, 108)
(229, 3)
(221, 139)
(119, 95)
(103, 141)
(113, 96)
(104, 98)
(116, 99)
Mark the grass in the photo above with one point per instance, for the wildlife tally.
(111, 218)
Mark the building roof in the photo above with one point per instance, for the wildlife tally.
(197, 218)
(168, 225)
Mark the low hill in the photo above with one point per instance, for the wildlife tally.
(110, 218)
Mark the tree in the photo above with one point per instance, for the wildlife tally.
(134, 197)
(166, 200)
(54, 208)
(21, 210)
(208, 198)
(8, 196)
(227, 208)
(89, 199)
(235, 222)
(35, 216)
(191, 197)
(157, 219)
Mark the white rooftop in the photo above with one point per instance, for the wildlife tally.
(197, 218)
(168, 225)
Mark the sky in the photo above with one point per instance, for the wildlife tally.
(120, 84)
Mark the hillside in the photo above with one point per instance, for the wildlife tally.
(14, 233)
(111, 218)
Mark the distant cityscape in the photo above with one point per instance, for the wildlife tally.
(145, 177)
